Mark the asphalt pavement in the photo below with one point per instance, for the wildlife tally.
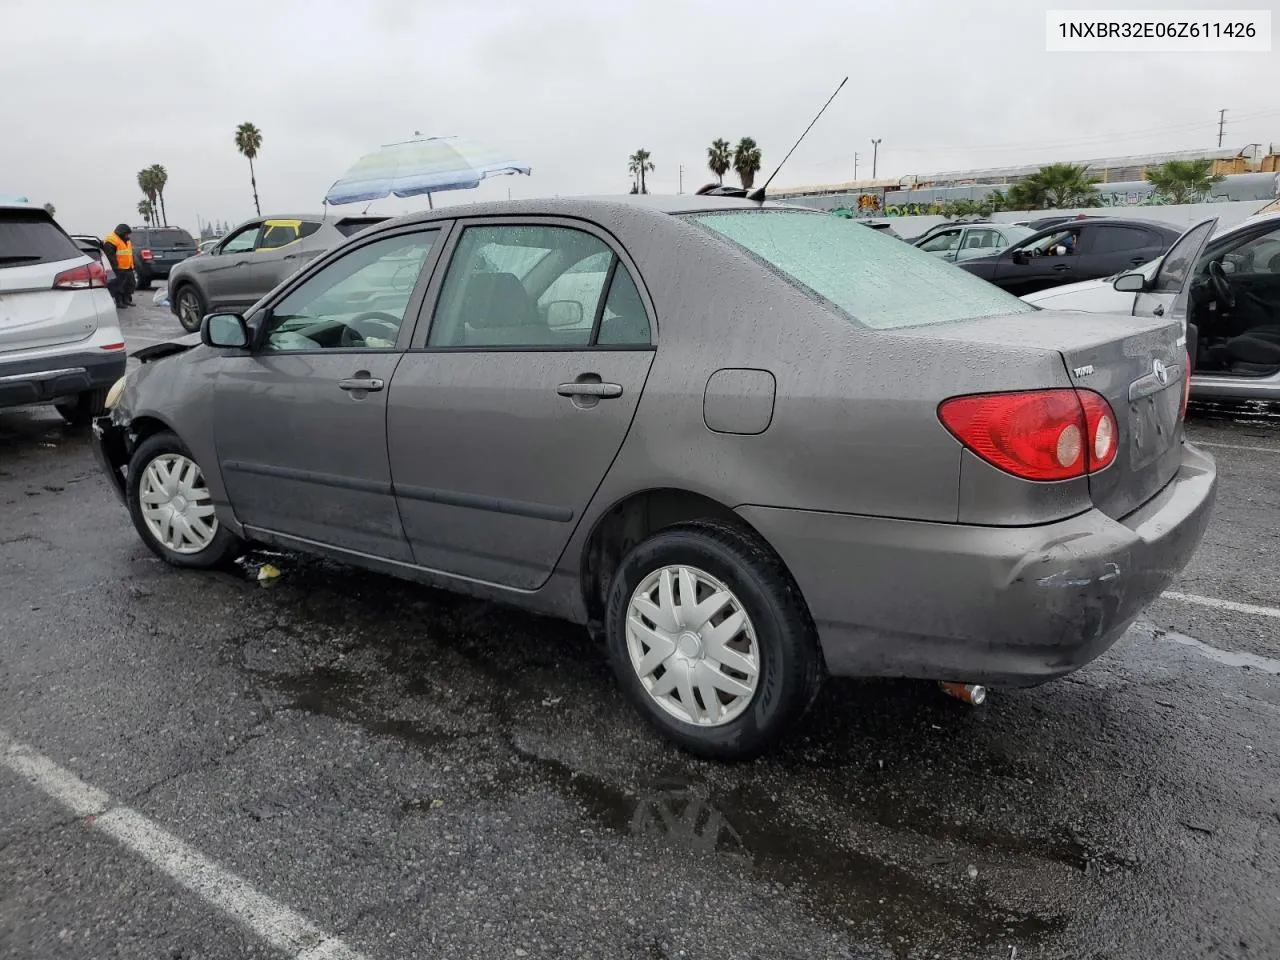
(339, 764)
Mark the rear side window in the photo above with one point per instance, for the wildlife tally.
(877, 280)
(1119, 239)
(31, 236)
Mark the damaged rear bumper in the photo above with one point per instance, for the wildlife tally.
(1011, 606)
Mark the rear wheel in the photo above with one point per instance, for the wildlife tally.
(710, 639)
(81, 411)
(172, 508)
(191, 307)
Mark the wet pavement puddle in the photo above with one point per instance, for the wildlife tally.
(1249, 661)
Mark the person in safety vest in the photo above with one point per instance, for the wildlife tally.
(120, 252)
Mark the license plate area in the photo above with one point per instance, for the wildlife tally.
(1153, 425)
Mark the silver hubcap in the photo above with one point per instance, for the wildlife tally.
(692, 646)
(176, 505)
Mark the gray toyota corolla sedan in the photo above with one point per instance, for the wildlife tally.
(748, 446)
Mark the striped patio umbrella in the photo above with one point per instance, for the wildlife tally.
(425, 165)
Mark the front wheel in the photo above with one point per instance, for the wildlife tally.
(711, 640)
(191, 307)
(172, 508)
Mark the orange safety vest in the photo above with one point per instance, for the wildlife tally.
(124, 251)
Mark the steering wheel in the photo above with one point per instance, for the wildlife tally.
(352, 336)
(1221, 287)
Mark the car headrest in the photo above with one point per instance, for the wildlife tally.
(498, 300)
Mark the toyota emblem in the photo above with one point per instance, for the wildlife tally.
(1161, 371)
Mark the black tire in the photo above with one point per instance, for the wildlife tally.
(225, 545)
(190, 322)
(791, 666)
(81, 411)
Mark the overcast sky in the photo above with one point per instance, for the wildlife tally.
(572, 87)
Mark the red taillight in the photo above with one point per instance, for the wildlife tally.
(1053, 434)
(81, 278)
(145, 254)
(1186, 389)
(112, 346)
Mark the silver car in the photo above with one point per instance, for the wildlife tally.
(746, 445)
(251, 260)
(965, 241)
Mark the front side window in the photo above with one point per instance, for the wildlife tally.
(877, 280)
(942, 243)
(1060, 243)
(537, 285)
(356, 302)
(243, 241)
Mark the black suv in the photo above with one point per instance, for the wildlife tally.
(157, 249)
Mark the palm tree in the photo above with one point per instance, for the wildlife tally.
(746, 161)
(144, 208)
(720, 158)
(160, 177)
(147, 184)
(249, 142)
(638, 164)
(1055, 186)
(49, 209)
(1183, 180)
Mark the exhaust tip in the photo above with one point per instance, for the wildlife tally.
(971, 693)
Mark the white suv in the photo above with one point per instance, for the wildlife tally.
(60, 339)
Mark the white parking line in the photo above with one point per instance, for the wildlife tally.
(1236, 446)
(1217, 604)
(275, 923)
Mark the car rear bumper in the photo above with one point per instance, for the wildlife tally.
(1012, 606)
(52, 378)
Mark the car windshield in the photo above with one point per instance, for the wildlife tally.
(877, 280)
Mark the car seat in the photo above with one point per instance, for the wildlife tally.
(496, 309)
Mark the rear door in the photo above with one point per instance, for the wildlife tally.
(33, 315)
(510, 407)
(1116, 248)
(1175, 268)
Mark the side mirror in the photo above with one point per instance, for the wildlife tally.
(1130, 283)
(226, 331)
(1019, 257)
(564, 313)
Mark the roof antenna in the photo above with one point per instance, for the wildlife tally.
(758, 193)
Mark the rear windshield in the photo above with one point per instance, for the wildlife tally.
(169, 237)
(877, 280)
(30, 236)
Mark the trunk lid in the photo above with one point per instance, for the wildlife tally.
(1137, 363)
(34, 315)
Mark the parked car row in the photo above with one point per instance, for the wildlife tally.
(732, 440)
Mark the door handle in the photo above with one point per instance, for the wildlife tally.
(1159, 310)
(361, 384)
(290, 256)
(1060, 267)
(604, 391)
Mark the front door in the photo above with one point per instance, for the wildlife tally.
(1160, 293)
(301, 420)
(225, 273)
(1047, 261)
(505, 418)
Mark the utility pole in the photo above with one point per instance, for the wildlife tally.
(1222, 119)
(681, 190)
(875, 153)
(856, 158)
